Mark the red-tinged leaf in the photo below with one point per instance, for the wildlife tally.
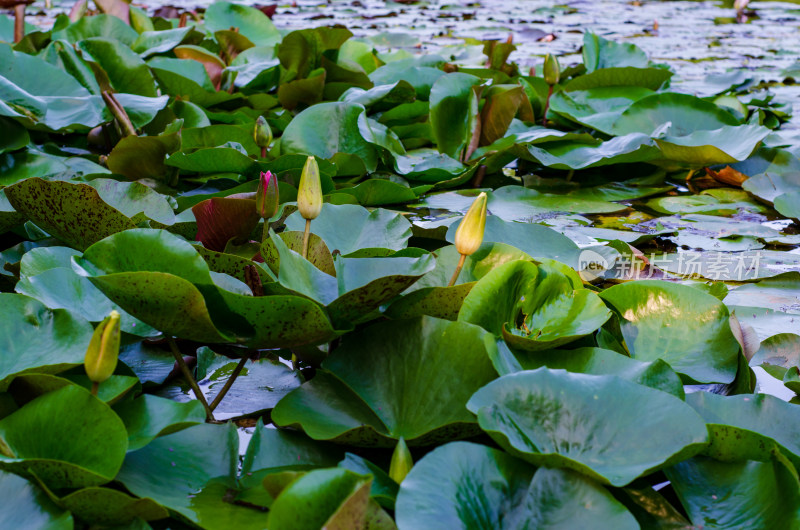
(221, 219)
(501, 106)
(213, 64)
(118, 8)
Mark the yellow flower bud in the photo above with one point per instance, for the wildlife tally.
(262, 134)
(309, 193)
(103, 350)
(551, 70)
(469, 234)
(401, 462)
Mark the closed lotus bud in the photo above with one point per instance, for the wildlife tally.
(551, 70)
(267, 195)
(401, 462)
(309, 194)
(101, 355)
(469, 234)
(262, 134)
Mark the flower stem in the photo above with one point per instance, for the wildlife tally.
(264, 152)
(95, 388)
(228, 384)
(173, 346)
(458, 270)
(305, 238)
(546, 106)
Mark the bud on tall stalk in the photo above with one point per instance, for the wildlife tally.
(103, 351)
(309, 197)
(469, 234)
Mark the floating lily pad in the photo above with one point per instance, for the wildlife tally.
(37, 339)
(598, 425)
(32, 508)
(463, 485)
(363, 399)
(685, 327)
(33, 439)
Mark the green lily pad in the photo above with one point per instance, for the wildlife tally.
(626, 149)
(60, 207)
(463, 485)
(597, 108)
(777, 354)
(32, 508)
(454, 102)
(533, 308)
(148, 417)
(737, 494)
(598, 425)
(620, 76)
(597, 361)
(166, 470)
(126, 71)
(341, 133)
(685, 114)
(323, 498)
(748, 426)
(363, 399)
(162, 280)
(37, 339)
(601, 53)
(105, 506)
(349, 228)
(685, 327)
(33, 439)
(250, 22)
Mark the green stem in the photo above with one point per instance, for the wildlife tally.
(460, 265)
(118, 111)
(95, 388)
(306, 235)
(546, 106)
(570, 175)
(228, 384)
(187, 374)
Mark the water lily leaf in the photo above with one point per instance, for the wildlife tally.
(502, 104)
(737, 494)
(683, 326)
(189, 81)
(223, 159)
(221, 219)
(597, 108)
(454, 106)
(598, 361)
(60, 208)
(182, 299)
(627, 76)
(32, 508)
(630, 148)
(140, 157)
(340, 133)
(748, 426)
(602, 53)
(725, 145)
(126, 71)
(28, 386)
(166, 471)
(684, 112)
(430, 295)
(102, 25)
(788, 204)
(558, 419)
(154, 42)
(13, 136)
(33, 439)
(148, 417)
(463, 485)
(105, 506)
(251, 22)
(349, 228)
(38, 339)
(211, 62)
(323, 498)
(381, 97)
(415, 389)
(533, 308)
(777, 354)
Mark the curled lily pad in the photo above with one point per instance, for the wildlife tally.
(599, 425)
(463, 485)
(432, 296)
(162, 280)
(32, 439)
(416, 388)
(32, 508)
(533, 307)
(360, 286)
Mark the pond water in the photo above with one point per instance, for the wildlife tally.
(701, 41)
